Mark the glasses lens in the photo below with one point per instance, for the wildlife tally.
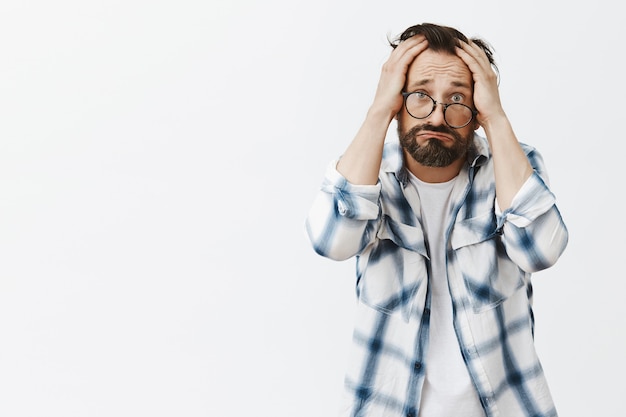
(458, 115)
(419, 105)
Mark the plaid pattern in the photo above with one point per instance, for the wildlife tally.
(490, 258)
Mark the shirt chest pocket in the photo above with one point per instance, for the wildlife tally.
(392, 273)
(479, 255)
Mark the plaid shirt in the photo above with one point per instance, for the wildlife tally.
(489, 258)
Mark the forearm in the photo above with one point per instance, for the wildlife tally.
(361, 161)
(511, 166)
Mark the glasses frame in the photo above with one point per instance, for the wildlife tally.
(406, 95)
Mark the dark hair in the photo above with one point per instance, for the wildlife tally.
(443, 39)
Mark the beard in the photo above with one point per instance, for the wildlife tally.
(434, 153)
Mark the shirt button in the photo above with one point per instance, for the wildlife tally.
(341, 206)
(417, 366)
(471, 351)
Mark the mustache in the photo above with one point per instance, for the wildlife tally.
(431, 128)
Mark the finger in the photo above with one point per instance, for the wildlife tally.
(408, 43)
(473, 52)
(481, 70)
(405, 53)
(409, 49)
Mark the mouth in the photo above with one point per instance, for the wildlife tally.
(435, 135)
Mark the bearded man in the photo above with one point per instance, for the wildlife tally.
(446, 227)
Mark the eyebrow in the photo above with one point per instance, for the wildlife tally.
(427, 81)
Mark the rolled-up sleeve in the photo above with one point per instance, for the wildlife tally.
(534, 233)
(343, 217)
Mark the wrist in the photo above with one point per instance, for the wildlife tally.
(495, 123)
(381, 114)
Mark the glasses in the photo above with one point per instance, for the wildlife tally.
(420, 105)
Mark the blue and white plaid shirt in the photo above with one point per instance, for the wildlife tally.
(490, 258)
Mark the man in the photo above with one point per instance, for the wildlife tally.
(446, 227)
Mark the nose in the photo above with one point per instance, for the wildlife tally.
(437, 116)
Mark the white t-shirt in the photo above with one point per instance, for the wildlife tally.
(448, 389)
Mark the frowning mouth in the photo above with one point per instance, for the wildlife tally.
(435, 135)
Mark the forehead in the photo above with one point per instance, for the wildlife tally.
(438, 68)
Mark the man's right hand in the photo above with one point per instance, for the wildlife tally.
(388, 99)
(361, 161)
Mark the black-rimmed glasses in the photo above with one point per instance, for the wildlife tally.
(420, 105)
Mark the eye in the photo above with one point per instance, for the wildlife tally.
(457, 98)
(420, 94)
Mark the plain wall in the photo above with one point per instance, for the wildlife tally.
(158, 159)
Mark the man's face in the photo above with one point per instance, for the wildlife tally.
(430, 141)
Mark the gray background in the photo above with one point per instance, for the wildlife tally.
(158, 158)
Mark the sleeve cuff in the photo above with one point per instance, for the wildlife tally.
(532, 200)
(354, 201)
